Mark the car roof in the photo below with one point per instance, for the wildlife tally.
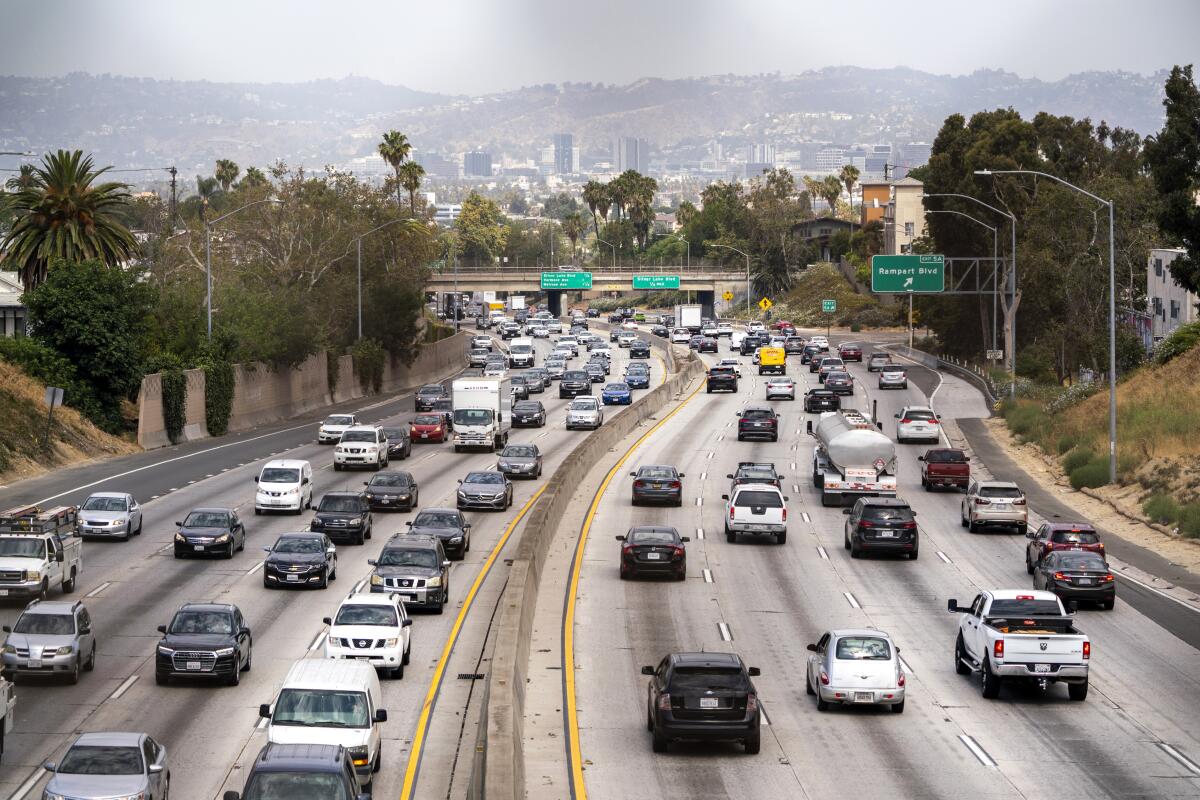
(840, 632)
(289, 463)
(887, 502)
(998, 485)
(1072, 526)
(332, 674)
(417, 540)
(228, 608)
(752, 487)
(300, 535)
(342, 494)
(50, 607)
(300, 758)
(705, 660)
(212, 509)
(653, 529)
(108, 494)
(117, 738)
(368, 598)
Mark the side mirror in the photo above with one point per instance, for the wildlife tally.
(408, 524)
(952, 606)
(879, 425)
(724, 497)
(59, 556)
(1030, 534)
(846, 511)
(633, 474)
(256, 479)
(808, 427)
(162, 628)
(266, 549)
(381, 715)
(729, 475)
(231, 795)
(619, 537)
(897, 416)
(366, 483)
(155, 769)
(460, 480)
(406, 623)
(49, 766)
(812, 648)
(647, 670)
(306, 480)
(754, 672)
(446, 563)
(327, 620)
(264, 710)
(178, 524)
(371, 562)
(466, 525)
(685, 538)
(6, 628)
(920, 458)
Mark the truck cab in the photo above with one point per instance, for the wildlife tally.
(482, 413)
(39, 549)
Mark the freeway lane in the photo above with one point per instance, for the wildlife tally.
(211, 731)
(767, 603)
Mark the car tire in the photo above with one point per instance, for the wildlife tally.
(378, 760)
(913, 555)
(404, 659)
(1078, 691)
(235, 678)
(1028, 563)
(249, 658)
(90, 664)
(138, 532)
(161, 678)
(808, 689)
(960, 664)
(972, 526)
(659, 743)
(822, 704)
(855, 552)
(76, 668)
(1108, 605)
(989, 682)
(324, 580)
(68, 585)
(337, 467)
(753, 743)
(781, 538)
(397, 673)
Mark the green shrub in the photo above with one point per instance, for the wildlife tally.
(218, 396)
(1065, 443)
(1182, 339)
(1189, 520)
(174, 402)
(1091, 475)
(1161, 508)
(1027, 420)
(855, 327)
(1076, 459)
(368, 364)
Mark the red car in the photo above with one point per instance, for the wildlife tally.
(427, 428)
(850, 352)
(1053, 536)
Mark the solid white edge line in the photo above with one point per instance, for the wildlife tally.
(1187, 763)
(98, 589)
(795, 488)
(976, 750)
(944, 557)
(851, 599)
(26, 787)
(123, 688)
(262, 723)
(707, 573)
(762, 710)
(726, 634)
(822, 552)
(1156, 590)
(700, 533)
(699, 501)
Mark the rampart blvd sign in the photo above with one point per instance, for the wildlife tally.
(916, 274)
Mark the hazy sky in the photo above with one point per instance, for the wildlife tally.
(477, 46)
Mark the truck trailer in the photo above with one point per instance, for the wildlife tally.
(852, 458)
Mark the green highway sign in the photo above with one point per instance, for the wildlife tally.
(655, 281)
(566, 280)
(829, 306)
(908, 274)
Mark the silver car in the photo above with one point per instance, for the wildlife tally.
(110, 765)
(856, 667)
(781, 387)
(893, 378)
(110, 514)
(520, 461)
(917, 423)
(994, 503)
(584, 412)
(50, 638)
(555, 367)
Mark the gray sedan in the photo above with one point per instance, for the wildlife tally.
(108, 765)
(520, 461)
(485, 489)
(110, 514)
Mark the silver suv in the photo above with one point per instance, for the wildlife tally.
(50, 638)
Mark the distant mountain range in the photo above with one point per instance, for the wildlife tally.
(132, 122)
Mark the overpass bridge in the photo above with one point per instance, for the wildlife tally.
(708, 282)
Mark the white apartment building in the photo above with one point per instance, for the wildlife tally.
(1169, 304)
(904, 217)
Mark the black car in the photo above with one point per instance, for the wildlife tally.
(528, 414)
(660, 330)
(721, 379)
(488, 489)
(750, 343)
(398, 443)
(392, 489)
(816, 400)
(210, 531)
(416, 568)
(575, 382)
(637, 379)
(840, 383)
(307, 770)
(639, 349)
(653, 550)
(758, 422)
(595, 371)
(601, 360)
(343, 516)
(881, 525)
(809, 352)
(593, 312)
(616, 318)
(427, 394)
(708, 344)
(657, 483)
(447, 524)
(300, 559)
(756, 472)
(520, 389)
(537, 379)
(702, 697)
(204, 640)
(520, 461)
(1076, 575)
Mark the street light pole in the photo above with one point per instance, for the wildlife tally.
(1112, 305)
(614, 249)
(994, 246)
(208, 256)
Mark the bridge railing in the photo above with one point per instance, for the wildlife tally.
(622, 267)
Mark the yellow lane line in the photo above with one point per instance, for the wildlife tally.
(418, 743)
(574, 759)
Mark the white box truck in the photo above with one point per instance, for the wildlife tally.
(688, 316)
(482, 412)
(516, 302)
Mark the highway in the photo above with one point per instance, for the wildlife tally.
(1136, 735)
(211, 732)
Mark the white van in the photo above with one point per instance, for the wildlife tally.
(284, 484)
(328, 701)
(520, 352)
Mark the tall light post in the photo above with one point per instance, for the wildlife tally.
(1112, 305)
(747, 255)
(614, 249)
(358, 244)
(995, 241)
(208, 255)
(13, 153)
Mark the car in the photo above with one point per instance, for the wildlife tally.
(392, 489)
(616, 393)
(998, 504)
(626, 338)
(723, 379)
(305, 770)
(567, 343)
(284, 484)
(482, 342)
(300, 559)
(374, 628)
(733, 364)
(427, 428)
(637, 379)
(945, 467)
(724, 329)
(614, 333)
(399, 446)
(510, 330)
(657, 483)
(538, 378)
(1052, 536)
(520, 460)
(595, 372)
(520, 388)
(555, 367)
(477, 356)
(575, 382)
(495, 368)
(755, 509)
(210, 531)
(809, 354)
(758, 422)
(344, 516)
(602, 360)
(850, 352)
(755, 326)
(840, 383)
(681, 336)
(881, 525)
(423, 399)
(482, 323)
(827, 365)
(878, 361)
(110, 514)
(584, 412)
(528, 414)
(629, 325)
(602, 349)
(660, 330)
(539, 331)
(639, 349)
(1076, 575)
(110, 764)
(204, 640)
(892, 377)
(50, 637)
(821, 399)
(490, 489)
(361, 446)
(694, 341)
(707, 344)
(781, 386)
(855, 667)
(416, 568)
(653, 550)
(702, 697)
(332, 427)
(917, 423)
(755, 472)
(447, 524)
(793, 345)
(820, 341)
(593, 313)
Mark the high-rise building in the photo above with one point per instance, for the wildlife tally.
(564, 157)
(631, 153)
(435, 165)
(477, 164)
(915, 154)
(760, 154)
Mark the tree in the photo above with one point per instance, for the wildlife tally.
(593, 194)
(410, 174)
(1174, 160)
(831, 190)
(849, 176)
(63, 215)
(23, 179)
(573, 227)
(480, 228)
(206, 190)
(226, 173)
(394, 149)
(255, 178)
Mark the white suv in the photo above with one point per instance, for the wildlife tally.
(334, 426)
(756, 509)
(361, 446)
(374, 628)
(917, 423)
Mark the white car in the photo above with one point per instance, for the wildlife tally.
(755, 509)
(819, 341)
(755, 327)
(626, 338)
(333, 426)
(284, 484)
(917, 423)
(855, 667)
(567, 343)
(733, 364)
(893, 378)
(361, 446)
(481, 341)
(781, 386)
(553, 325)
(724, 329)
(584, 412)
(539, 332)
(495, 369)
(681, 336)
(735, 341)
(710, 329)
(374, 628)
(629, 325)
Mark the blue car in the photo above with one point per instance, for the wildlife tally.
(617, 394)
(637, 380)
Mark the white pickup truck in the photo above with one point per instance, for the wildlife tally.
(39, 549)
(1020, 634)
(8, 704)
(756, 509)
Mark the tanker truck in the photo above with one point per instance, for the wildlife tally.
(852, 458)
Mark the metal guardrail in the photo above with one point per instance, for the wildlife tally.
(599, 269)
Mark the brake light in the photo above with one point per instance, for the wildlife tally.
(901, 680)
(664, 702)
(785, 513)
(905, 421)
(627, 550)
(1058, 576)
(1020, 501)
(932, 421)
(1100, 545)
(1087, 649)
(1108, 578)
(751, 703)
(679, 552)
(673, 485)
(998, 649)
(866, 524)
(731, 512)
(824, 678)
(982, 501)
(910, 524)
(639, 484)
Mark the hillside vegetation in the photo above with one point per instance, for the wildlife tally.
(823, 281)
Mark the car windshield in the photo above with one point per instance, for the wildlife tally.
(657, 472)
(392, 479)
(321, 708)
(652, 536)
(887, 513)
(367, 615)
(105, 504)
(22, 547)
(431, 389)
(484, 477)
(757, 413)
(279, 475)
(206, 519)
(85, 759)
(616, 387)
(829, 363)
(1075, 537)
(526, 408)
(761, 499)
(202, 622)
(350, 504)
(472, 416)
(918, 413)
(393, 433)
(751, 474)
(427, 420)
(1010, 492)
(582, 405)
(405, 557)
(296, 786)
(358, 436)
(519, 451)
(1078, 561)
(1024, 608)
(299, 544)
(863, 648)
(339, 420)
(574, 375)
(946, 457)
(699, 679)
(48, 624)
(433, 519)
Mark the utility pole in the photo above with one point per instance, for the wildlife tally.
(174, 207)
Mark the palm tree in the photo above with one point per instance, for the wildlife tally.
(254, 178)
(395, 148)
(618, 193)
(641, 214)
(573, 227)
(593, 193)
(831, 190)
(64, 214)
(849, 176)
(23, 180)
(603, 203)
(410, 174)
(226, 173)
(206, 188)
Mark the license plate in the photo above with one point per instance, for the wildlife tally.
(1085, 581)
(193, 666)
(408, 596)
(385, 501)
(863, 697)
(755, 527)
(658, 486)
(199, 548)
(424, 435)
(35, 663)
(709, 702)
(1041, 667)
(887, 534)
(654, 556)
(293, 577)
(3, 592)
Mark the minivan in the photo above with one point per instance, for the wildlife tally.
(327, 701)
(284, 484)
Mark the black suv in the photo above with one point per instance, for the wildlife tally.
(702, 697)
(343, 516)
(427, 394)
(392, 489)
(575, 382)
(881, 525)
(721, 379)
(306, 770)
(204, 640)
(639, 349)
(809, 352)
(758, 422)
(756, 472)
(416, 568)
(816, 400)
(750, 343)
(793, 345)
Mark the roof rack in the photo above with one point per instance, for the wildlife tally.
(32, 519)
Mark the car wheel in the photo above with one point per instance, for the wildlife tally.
(407, 654)
(660, 743)
(989, 682)
(913, 555)
(396, 673)
(337, 467)
(854, 551)
(822, 705)
(73, 675)
(972, 526)
(138, 532)
(1078, 691)
(1108, 605)
(808, 690)
(235, 677)
(781, 538)
(91, 662)
(1028, 564)
(249, 658)
(324, 580)
(68, 585)
(753, 744)
(160, 678)
(960, 664)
